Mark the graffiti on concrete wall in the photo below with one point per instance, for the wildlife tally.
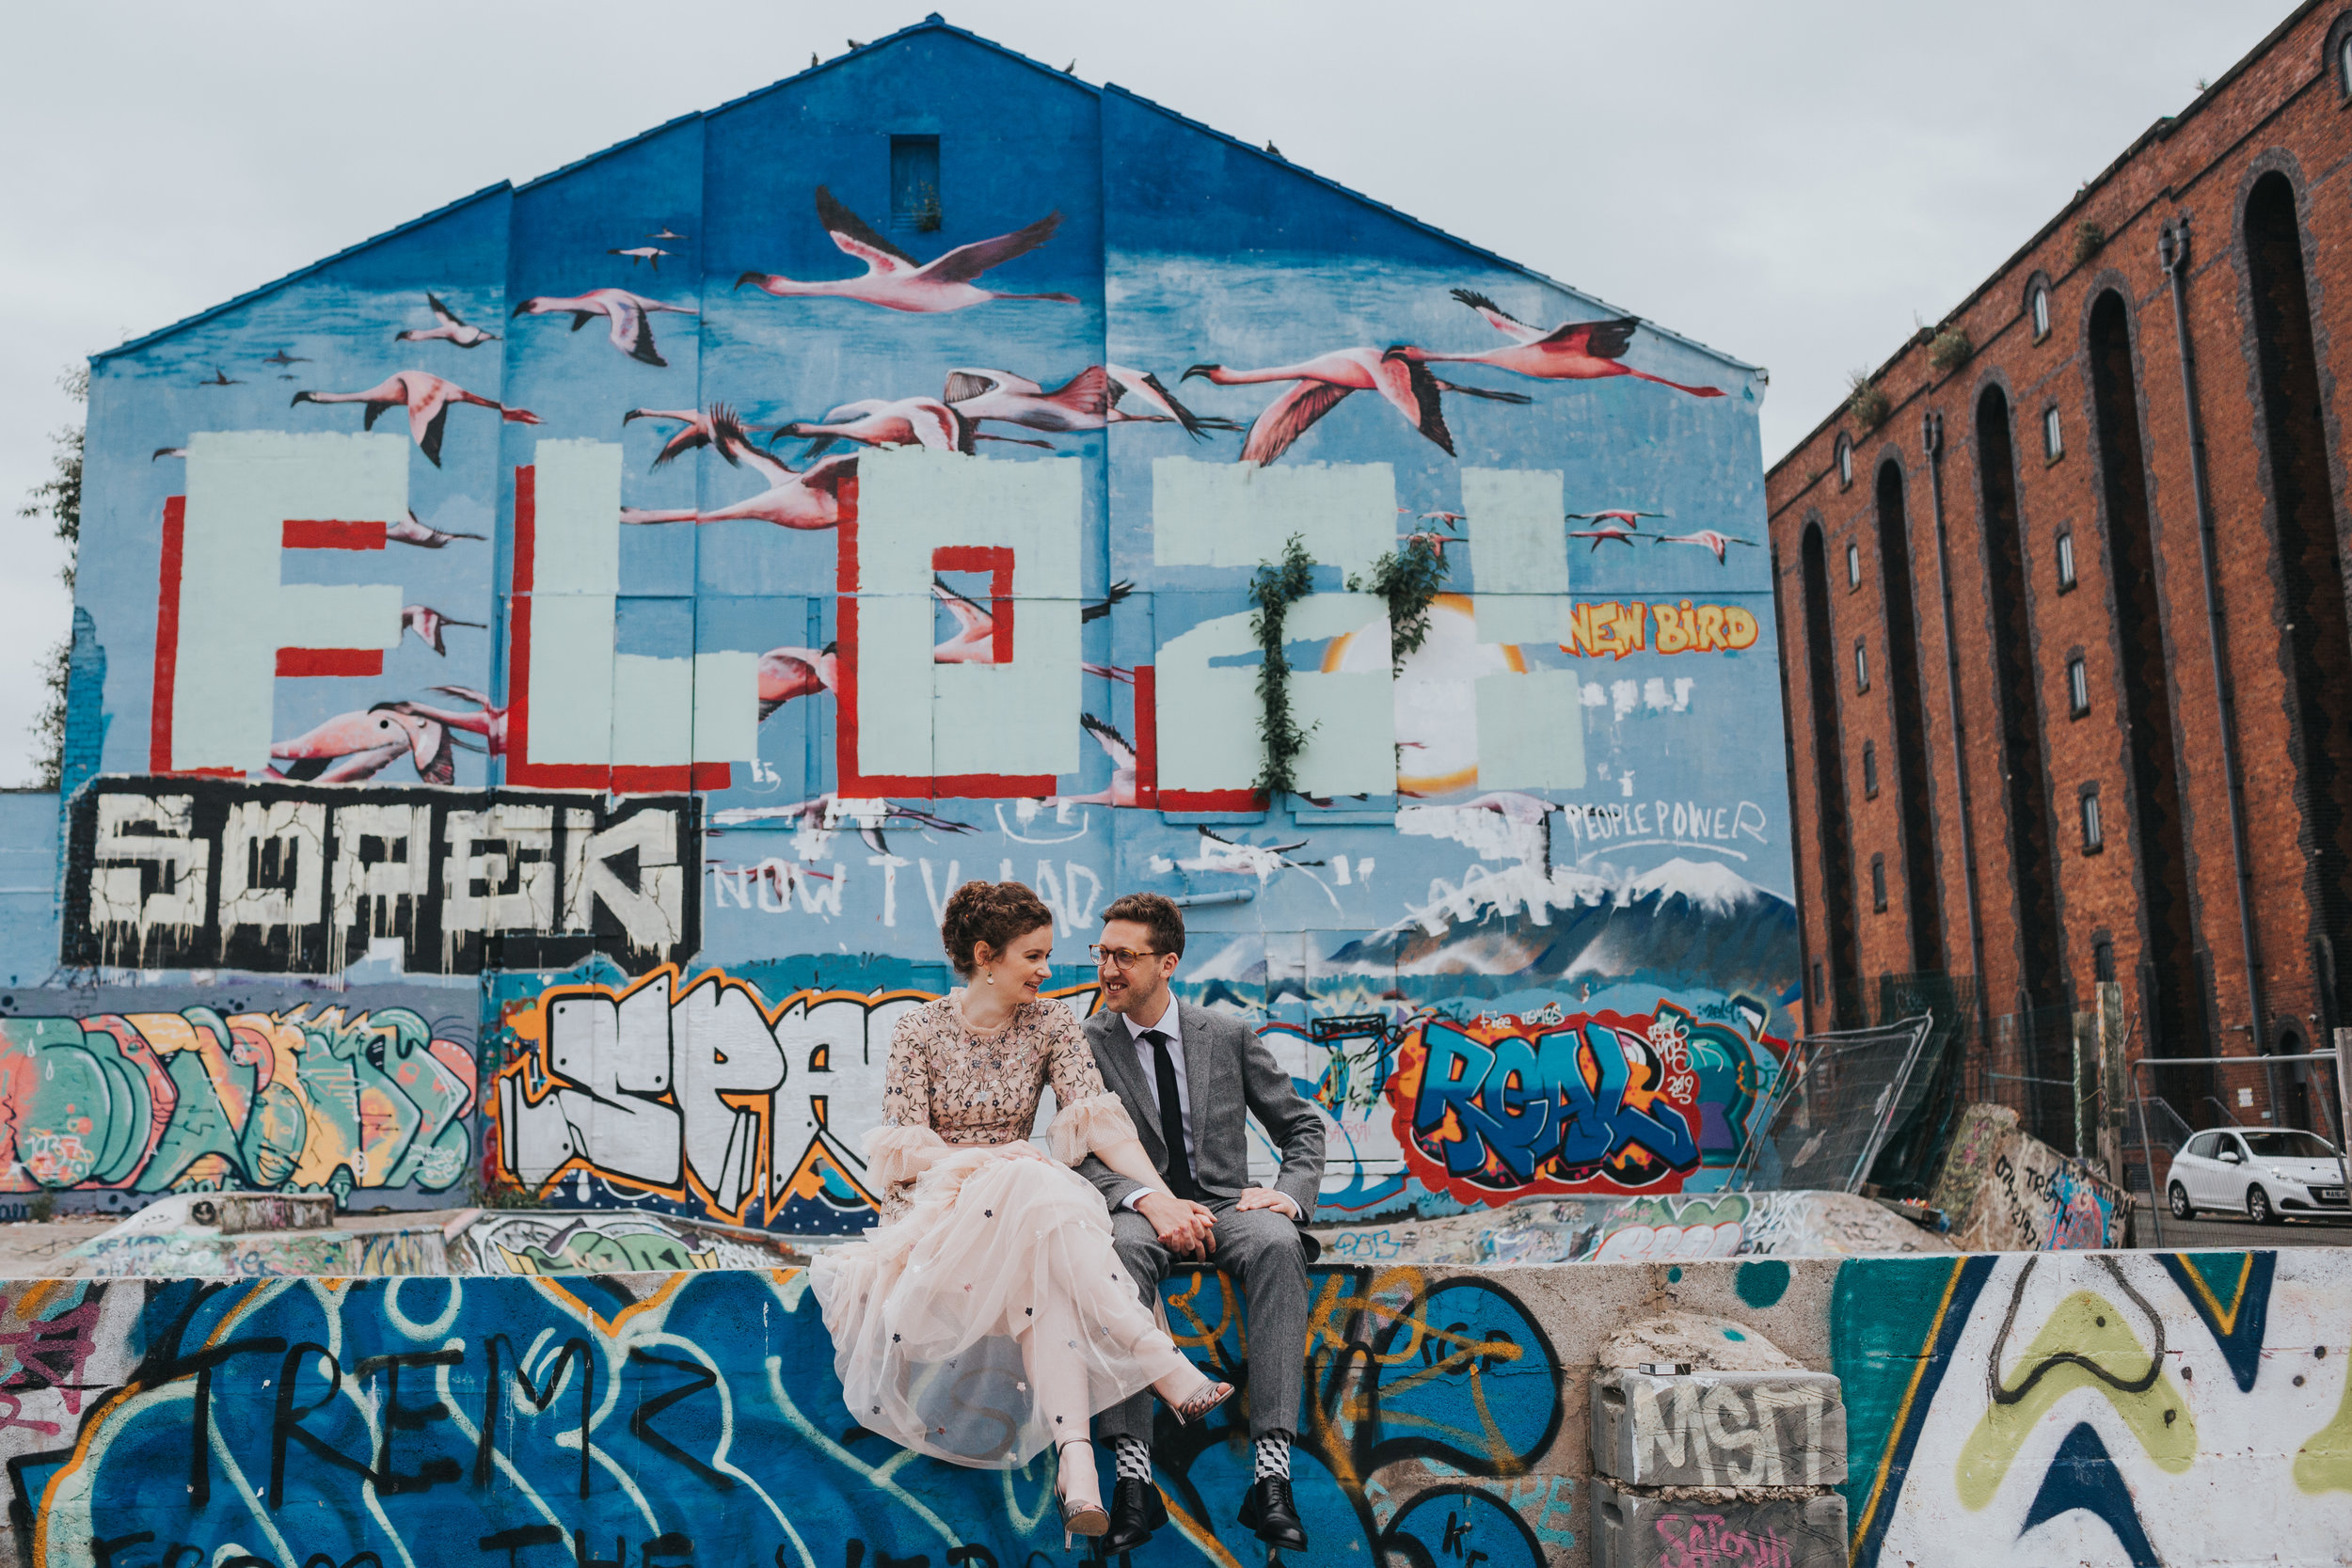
(604, 1243)
(293, 880)
(312, 1097)
(695, 1416)
(2137, 1407)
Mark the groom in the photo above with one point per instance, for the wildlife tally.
(1189, 1078)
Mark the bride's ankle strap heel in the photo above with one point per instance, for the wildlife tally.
(1207, 1397)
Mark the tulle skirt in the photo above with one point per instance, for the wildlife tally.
(993, 1319)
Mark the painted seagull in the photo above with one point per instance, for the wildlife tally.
(667, 233)
(827, 813)
(448, 327)
(1120, 791)
(427, 623)
(354, 746)
(1258, 861)
(801, 498)
(895, 280)
(428, 400)
(167, 452)
(1621, 526)
(788, 672)
(220, 378)
(629, 317)
(411, 531)
(1574, 351)
(1144, 391)
(283, 357)
(636, 253)
(1706, 538)
(899, 423)
(1324, 382)
(699, 431)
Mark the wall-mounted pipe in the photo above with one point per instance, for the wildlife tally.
(1196, 900)
(2172, 253)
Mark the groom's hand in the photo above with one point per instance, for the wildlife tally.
(1267, 1197)
(1186, 1229)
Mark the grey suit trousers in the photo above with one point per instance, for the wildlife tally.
(1263, 1252)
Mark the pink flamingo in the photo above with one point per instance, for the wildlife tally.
(448, 327)
(1705, 537)
(701, 430)
(899, 423)
(427, 398)
(631, 317)
(1082, 402)
(488, 721)
(427, 623)
(408, 531)
(975, 641)
(895, 280)
(1145, 390)
(1120, 791)
(1325, 380)
(1619, 525)
(788, 672)
(809, 499)
(354, 746)
(1575, 351)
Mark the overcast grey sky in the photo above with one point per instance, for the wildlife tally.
(1794, 183)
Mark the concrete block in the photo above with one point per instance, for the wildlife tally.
(1718, 1429)
(1630, 1531)
(238, 1213)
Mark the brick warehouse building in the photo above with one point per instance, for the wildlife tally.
(2062, 589)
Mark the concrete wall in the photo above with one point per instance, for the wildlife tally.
(2086, 1408)
(369, 669)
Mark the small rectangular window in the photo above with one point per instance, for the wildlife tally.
(1877, 883)
(915, 183)
(2066, 560)
(1815, 995)
(2053, 438)
(1869, 771)
(1861, 666)
(2077, 686)
(2103, 961)
(2094, 838)
(1854, 566)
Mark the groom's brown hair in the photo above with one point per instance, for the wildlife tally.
(1165, 921)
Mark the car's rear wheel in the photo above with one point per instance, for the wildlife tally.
(2257, 1205)
(2181, 1207)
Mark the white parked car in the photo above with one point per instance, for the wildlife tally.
(2264, 1173)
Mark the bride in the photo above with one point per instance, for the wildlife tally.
(986, 1315)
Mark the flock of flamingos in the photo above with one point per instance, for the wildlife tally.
(361, 745)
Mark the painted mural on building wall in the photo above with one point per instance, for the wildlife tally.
(892, 505)
(695, 1416)
(2133, 1407)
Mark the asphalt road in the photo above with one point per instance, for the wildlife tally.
(2234, 1231)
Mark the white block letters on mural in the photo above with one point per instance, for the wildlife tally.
(248, 493)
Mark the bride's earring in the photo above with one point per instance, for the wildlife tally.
(990, 978)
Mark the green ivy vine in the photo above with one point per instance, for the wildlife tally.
(1278, 586)
(1409, 578)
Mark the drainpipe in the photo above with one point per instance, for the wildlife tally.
(2172, 251)
(1932, 437)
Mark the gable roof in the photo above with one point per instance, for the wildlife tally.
(934, 22)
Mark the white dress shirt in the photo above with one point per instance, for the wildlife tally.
(1169, 1025)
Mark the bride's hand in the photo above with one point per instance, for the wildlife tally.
(1022, 1149)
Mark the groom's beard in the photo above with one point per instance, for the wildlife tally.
(1123, 995)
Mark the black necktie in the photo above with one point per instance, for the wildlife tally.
(1171, 1118)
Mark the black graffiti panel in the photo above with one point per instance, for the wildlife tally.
(285, 878)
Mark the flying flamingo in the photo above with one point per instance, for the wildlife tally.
(788, 672)
(353, 746)
(1328, 378)
(699, 431)
(809, 499)
(900, 422)
(1116, 593)
(1619, 525)
(1575, 351)
(427, 398)
(631, 317)
(411, 531)
(975, 641)
(167, 452)
(1120, 791)
(427, 623)
(1146, 390)
(488, 721)
(448, 327)
(1705, 537)
(1082, 402)
(896, 282)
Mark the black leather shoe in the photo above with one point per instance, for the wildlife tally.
(1137, 1510)
(1267, 1510)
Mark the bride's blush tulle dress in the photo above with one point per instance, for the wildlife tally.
(987, 1318)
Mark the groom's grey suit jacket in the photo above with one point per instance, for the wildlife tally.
(1229, 1075)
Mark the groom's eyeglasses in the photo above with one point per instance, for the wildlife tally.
(1118, 957)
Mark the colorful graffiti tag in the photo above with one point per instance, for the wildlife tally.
(1510, 1106)
(310, 1098)
(695, 1416)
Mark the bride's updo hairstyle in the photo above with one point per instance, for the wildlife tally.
(992, 913)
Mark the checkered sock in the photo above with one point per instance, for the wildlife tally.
(1132, 1459)
(1273, 1457)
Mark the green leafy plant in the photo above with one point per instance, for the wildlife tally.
(43, 1207)
(1278, 586)
(2088, 239)
(1409, 578)
(58, 502)
(1869, 404)
(926, 213)
(1949, 349)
